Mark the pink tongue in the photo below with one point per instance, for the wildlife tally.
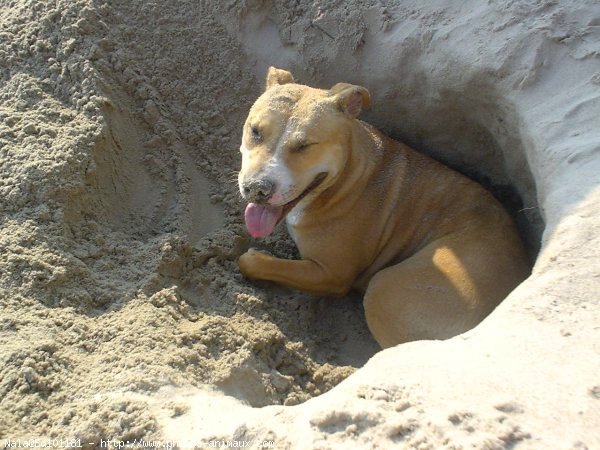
(261, 219)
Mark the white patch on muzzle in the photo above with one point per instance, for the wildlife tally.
(276, 171)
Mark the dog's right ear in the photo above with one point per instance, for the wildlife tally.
(277, 76)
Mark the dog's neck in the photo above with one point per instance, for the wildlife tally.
(364, 150)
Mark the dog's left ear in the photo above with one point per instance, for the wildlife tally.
(277, 76)
(350, 98)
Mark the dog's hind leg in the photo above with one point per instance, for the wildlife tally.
(443, 290)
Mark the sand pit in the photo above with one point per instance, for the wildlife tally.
(123, 315)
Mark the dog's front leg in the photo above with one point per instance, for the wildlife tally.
(303, 274)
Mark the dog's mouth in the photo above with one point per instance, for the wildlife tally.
(313, 185)
(261, 219)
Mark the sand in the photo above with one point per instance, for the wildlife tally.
(122, 312)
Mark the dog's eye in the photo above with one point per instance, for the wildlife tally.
(255, 132)
(302, 146)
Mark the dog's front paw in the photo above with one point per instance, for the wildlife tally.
(250, 263)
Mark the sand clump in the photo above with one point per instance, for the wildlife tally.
(122, 312)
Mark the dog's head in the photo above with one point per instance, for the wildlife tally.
(294, 146)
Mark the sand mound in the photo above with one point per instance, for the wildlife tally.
(123, 315)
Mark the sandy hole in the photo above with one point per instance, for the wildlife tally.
(147, 185)
(133, 192)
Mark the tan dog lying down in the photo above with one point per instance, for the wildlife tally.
(433, 252)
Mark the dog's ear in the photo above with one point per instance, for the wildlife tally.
(277, 76)
(350, 98)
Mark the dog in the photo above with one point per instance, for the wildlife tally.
(432, 251)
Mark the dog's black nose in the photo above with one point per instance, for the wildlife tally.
(258, 191)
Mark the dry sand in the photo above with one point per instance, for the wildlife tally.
(122, 312)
